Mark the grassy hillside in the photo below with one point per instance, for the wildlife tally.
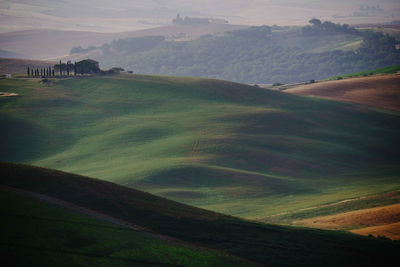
(36, 233)
(18, 66)
(385, 70)
(265, 244)
(227, 147)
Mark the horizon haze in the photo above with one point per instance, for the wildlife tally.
(124, 15)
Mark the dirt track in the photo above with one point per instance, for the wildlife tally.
(381, 91)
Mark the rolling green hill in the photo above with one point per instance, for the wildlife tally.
(36, 233)
(66, 237)
(218, 145)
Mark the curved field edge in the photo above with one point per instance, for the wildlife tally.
(228, 147)
(381, 91)
(37, 233)
(262, 243)
(363, 218)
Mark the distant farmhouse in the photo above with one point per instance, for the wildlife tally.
(87, 66)
(191, 21)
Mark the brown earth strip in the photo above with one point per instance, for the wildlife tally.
(381, 91)
(387, 217)
(391, 231)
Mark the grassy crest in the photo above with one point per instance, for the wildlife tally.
(223, 146)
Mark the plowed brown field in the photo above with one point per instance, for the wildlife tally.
(375, 221)
(391, 231)
(381, 91)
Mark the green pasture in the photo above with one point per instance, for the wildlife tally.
(386, 70)
(38, 225)
(223, 146)
(36, 233)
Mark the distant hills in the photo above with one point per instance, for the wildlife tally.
(45, 44)
(257, 55)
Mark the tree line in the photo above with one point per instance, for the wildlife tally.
(61, 69)
(259, 54)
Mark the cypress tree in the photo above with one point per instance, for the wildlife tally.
(67, 69)
(75, 68)
(54, 73)
(60, 68)
(28, 71)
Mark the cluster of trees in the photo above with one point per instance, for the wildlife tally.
(66, 69)
(322, 28)
(40, 72)
(259, 54)
(132, 45)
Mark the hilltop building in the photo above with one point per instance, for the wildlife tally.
(87, 66)
(192, 20)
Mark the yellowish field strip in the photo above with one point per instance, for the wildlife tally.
(391, 231)
(380, 216)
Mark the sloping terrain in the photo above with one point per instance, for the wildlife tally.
(381, 91)
(223, 146)
(37, 233)
(391, 231)
(18, 66)
(261, 243)
(384, 217)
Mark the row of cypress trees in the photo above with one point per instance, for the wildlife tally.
(63, 69)
(42, 72)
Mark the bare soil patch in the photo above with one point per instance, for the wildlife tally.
(381, 91)
(391, 231)
(356, 219)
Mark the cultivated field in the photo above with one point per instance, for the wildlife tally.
(382, 91)
(65, 236)
(387, 216)
(68, 238)
(391, 231)
(227, 147)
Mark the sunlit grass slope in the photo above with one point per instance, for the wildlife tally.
(228, 147)
(35, 233)
(270, 245)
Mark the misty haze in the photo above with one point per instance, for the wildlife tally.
(199, 133)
